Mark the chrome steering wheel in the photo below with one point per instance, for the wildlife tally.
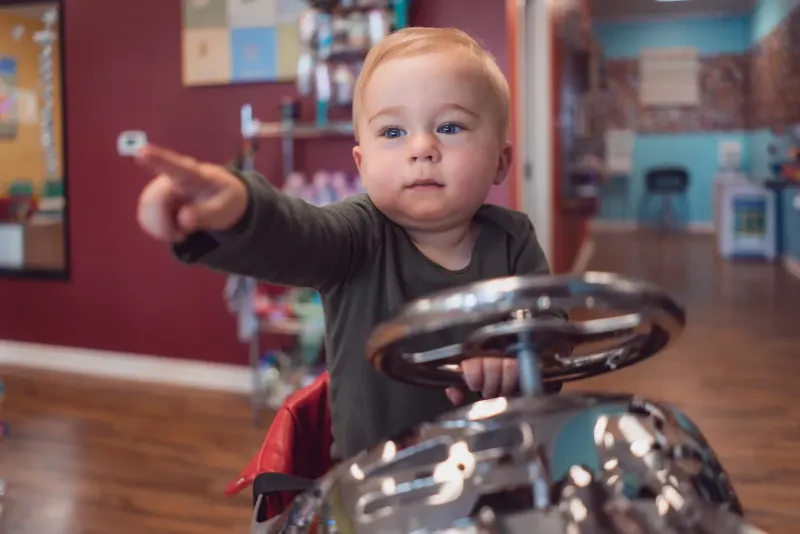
(525, 317)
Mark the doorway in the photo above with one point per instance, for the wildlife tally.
(553, 43)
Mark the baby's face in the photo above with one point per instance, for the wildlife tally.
(430, 146)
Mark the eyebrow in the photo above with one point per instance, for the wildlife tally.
(393, 110)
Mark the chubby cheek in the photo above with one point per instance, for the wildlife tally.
(471, 171)
(380, 174)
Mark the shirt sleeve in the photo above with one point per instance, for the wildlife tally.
(530, 258)
(287, 241)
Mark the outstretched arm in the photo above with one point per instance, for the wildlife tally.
(239, 223)
(286, 241)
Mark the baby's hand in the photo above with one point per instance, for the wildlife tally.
(492, 377)
(187, 196)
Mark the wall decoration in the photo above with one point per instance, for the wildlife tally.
(8, 98)
(33, 214)
(754, 90)
(724, 82)
(669, 77)
(236, 41)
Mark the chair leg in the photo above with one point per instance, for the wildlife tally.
(687, 212)
(667, 219)
(642, 211)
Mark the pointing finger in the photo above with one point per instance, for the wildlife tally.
(177, 166)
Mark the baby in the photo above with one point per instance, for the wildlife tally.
(431, 119)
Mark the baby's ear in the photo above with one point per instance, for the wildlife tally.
(504, 162)
(357, 157)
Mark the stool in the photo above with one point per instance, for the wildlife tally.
(664, 184)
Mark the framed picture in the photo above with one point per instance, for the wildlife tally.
(33, 192)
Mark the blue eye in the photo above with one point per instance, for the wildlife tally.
(449, 128)
(392, 133)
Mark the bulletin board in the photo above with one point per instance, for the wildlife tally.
(239, 41)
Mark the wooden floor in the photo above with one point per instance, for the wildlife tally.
(94, 457)
(735, 370)
(89, 457)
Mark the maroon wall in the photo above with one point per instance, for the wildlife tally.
(123, 71)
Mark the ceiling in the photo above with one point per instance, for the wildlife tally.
(644, 9)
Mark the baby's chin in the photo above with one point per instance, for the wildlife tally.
(426, 217)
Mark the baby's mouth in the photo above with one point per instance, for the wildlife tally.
(425, 183)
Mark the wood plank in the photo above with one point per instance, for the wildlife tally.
(94, 456)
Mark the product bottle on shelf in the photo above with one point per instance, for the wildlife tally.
(324, 90)
(344, 83)
(295, 186)
(339, 185)
(324, 193)
(380, 25)
(358, 34)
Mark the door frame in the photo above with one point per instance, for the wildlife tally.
(529, 29)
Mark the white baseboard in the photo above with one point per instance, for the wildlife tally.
(621, 226)
(792, 266)
(131, 367)
(584, 256)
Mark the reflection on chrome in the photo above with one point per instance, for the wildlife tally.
(572, 463)
(589, 464)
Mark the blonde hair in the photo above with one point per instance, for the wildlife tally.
(418, 40)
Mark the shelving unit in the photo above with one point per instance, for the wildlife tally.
(288, 131)
(250, 327)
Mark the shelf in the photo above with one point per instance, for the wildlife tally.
(346, 54)
(344, 11)
(305, 130)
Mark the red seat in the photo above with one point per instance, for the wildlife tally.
(297, 443)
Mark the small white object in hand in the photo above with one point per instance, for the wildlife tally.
(129, 143)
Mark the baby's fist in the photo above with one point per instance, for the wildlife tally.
(491, 377)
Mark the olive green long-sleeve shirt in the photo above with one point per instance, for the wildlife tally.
(365, 268)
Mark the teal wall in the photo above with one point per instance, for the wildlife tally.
(710, 35)
(697, 151)
(767, 15)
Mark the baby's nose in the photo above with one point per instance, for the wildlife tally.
(424, 147)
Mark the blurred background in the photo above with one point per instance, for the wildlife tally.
(656, 139)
